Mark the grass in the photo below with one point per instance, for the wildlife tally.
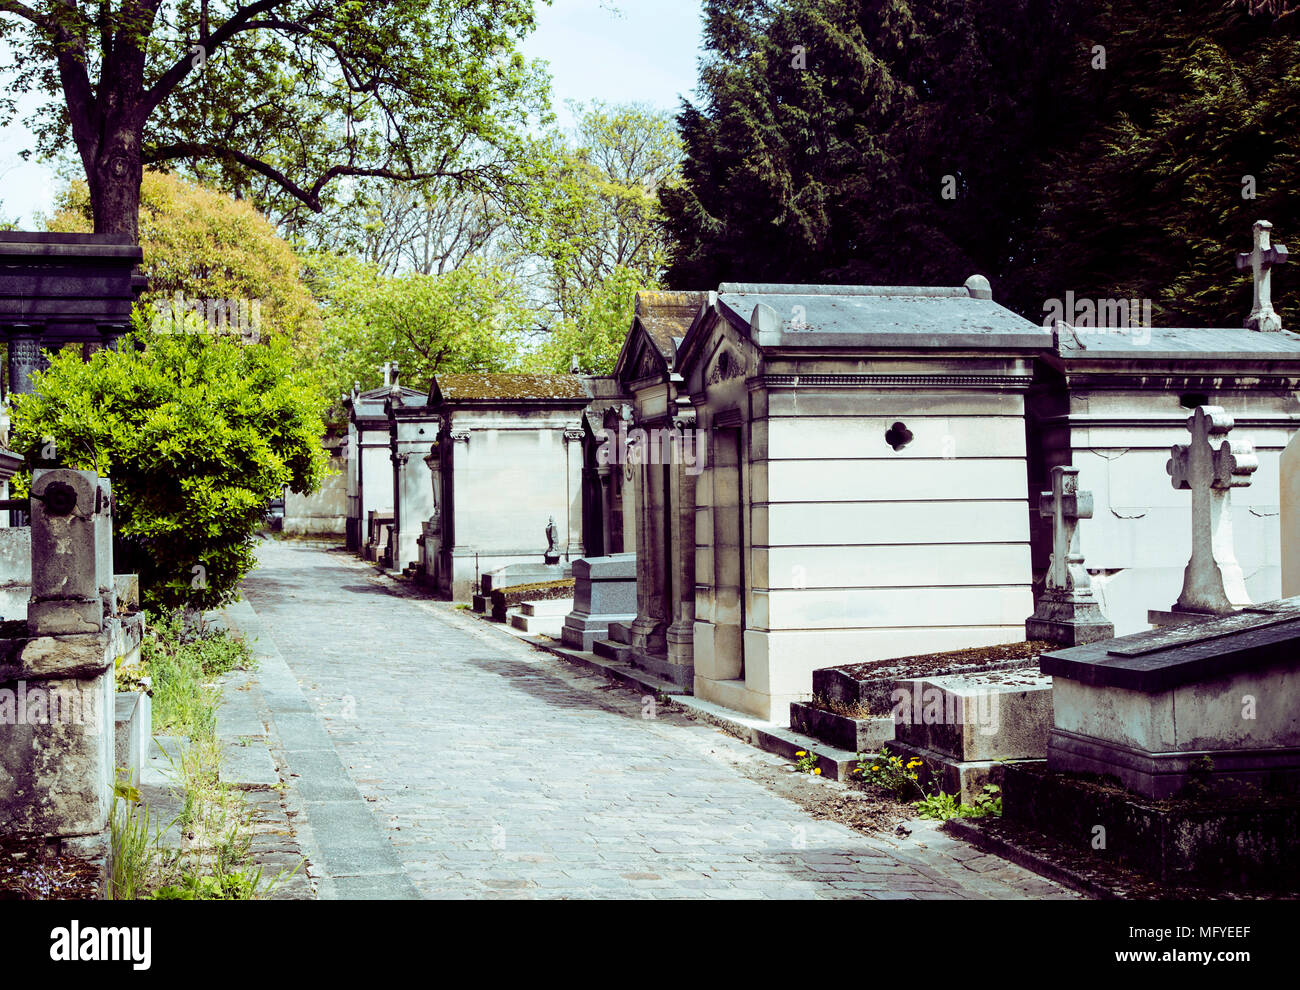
(182, 659)
(856, 709)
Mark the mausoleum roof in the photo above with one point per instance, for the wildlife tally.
(505, 385)
(880, 316)
(667, 316)
(1175, 343)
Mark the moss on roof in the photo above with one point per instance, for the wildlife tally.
(666, 315)
(509, 385)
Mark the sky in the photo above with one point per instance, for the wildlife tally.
(618, 51)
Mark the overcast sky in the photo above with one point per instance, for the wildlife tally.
(621, 52)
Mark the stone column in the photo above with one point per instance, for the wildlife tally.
(24, 355)
(606, 486)
(59, 759)
(649, 628)
(681, 634)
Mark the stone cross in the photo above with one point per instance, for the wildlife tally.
(1065, 505)
(1260, 260)
(1067, 611)
(1213, 581)
(388, 372)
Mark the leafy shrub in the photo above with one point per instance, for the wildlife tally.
(198, 433)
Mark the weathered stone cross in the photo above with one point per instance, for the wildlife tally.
(1065, 505)
(1261, 260)
(1213, 581)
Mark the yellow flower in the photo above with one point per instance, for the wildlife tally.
(817, 771)
(801, 753)
(875, 768)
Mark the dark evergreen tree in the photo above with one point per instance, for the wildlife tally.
(1095, 146)
(884, 141)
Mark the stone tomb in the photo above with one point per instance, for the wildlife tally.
(1218, 698)
(604, 592)
(657, 450)
(865, 493)
(505, 455)
(1112, 401)
(369, 458)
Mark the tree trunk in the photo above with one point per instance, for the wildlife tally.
(114, 181)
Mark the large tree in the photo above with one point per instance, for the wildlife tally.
(276, 97)
(893, 141)
(207, 247)
(1194, 139)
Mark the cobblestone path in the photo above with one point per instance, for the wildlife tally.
(430, 754)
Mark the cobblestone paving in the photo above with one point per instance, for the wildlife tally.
(497, 770)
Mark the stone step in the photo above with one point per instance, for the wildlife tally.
(536, 625)
(551, 606)
(610, 650)
(835, 763)
(621, 632)
(858, 735)
(248, 767)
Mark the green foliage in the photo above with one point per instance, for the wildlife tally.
(236, 886)
(279, 99)
(596, 335)
(827, 130)
(133, 848)
(206, 245)
(890, 774)
(594, 204)
(467, 319)
(806, 762)
(180, 664)
(198, 434)
(1150, 200)
(941, 806)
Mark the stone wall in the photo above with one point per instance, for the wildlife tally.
(325, 512)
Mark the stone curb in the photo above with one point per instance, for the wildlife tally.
(1028, 859)
(383, 876)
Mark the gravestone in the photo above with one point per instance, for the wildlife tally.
(604, 592)
(1213, 583)
(1067, 610)
(57, 752)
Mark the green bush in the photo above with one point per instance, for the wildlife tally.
(198, 434)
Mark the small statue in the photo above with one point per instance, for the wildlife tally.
(552, 542)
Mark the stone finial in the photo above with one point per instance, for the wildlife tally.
(1213, 582)
(979, 288)
(1260, 260)
(1067, 610)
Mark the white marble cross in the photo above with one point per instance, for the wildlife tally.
(1260, 260)
(1065, 505)
(1213, 581)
